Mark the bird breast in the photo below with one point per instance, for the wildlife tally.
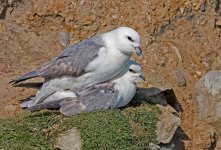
(127, 91)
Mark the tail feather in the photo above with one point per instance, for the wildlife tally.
(48, 105)
(34, 85)
(29, 75)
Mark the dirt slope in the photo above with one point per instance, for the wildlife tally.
(182, 35)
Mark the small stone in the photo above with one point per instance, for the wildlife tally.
(160, 63)
(203, 22)
(218, 22)
(2, 28)
(10, 107)
(64, 38)
(197, 7)
(69, 141)
(198, 73)
(30, 17)
(69, 16)
(93, 27)
(182, 10)
(179, 77)
(203, 6)
(88, 20)
(114, 16)
(153, 146)
(82, 2)
(144, 61)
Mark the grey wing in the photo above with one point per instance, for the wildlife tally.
(96, 100)
(71, 106)
(72, 61)
(93, 98)
(48, 105)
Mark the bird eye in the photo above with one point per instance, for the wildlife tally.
(130, 39)
(131, 70)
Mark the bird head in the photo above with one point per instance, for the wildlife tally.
(128, 41)
(134, 73)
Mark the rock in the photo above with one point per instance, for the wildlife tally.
(167, 125)
(179, 77)
(157, 96)
(151, 95)
(64, 38)
(158, 91)
(69, 141)
(208, 96)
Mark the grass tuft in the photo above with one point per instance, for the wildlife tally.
(130, 128)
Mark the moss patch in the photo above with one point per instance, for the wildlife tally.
(28, 132)
(104, 130)
(143, 121)
(130, 128)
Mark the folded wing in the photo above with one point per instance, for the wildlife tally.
(71, 62)
(91, 99)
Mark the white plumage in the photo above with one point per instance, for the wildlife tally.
(124, 88)
(113, 49)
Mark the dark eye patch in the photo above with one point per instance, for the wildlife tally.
(131, 70)
(130, 39)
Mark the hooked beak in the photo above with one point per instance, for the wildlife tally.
(138, 51)
(142, 78)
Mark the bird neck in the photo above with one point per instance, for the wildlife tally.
(123, 84)
(126, 89)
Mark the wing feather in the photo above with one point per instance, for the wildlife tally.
(103, 97)
(71, 62)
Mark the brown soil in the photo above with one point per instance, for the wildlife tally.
(176, 35)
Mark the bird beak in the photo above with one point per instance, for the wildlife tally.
(142, 78)
(138, 51)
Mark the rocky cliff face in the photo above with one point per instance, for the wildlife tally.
(180, 39)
